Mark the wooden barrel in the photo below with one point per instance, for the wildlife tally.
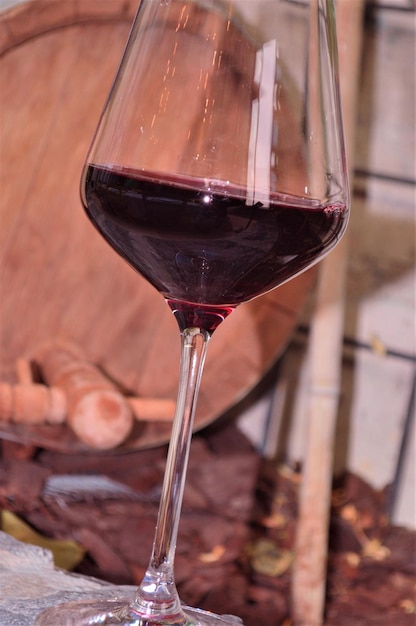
(59, 280)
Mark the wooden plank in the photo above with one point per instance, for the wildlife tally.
(325, 353)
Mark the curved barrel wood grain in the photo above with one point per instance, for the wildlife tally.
(59, 280)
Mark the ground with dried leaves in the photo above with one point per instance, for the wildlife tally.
(235, 550)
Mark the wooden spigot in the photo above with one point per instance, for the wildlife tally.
(97, 411)
(77, 392)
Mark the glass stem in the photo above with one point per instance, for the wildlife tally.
(157, 593)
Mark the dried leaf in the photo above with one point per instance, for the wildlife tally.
(66, 553)
(350, 513)
(353, 559)
(276, 520)
(289, 474)
(408, 606)
(266, 558)
(378, 346)
(374, 549)
(214, 555)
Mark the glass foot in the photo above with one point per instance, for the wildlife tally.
(111, 613)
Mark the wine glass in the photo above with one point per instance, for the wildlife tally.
(217, 172)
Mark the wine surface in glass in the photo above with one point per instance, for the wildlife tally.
(205, 243)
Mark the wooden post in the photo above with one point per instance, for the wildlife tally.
(325, 357)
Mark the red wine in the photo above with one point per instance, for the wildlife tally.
(203, 246)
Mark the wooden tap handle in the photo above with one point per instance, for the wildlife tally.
(152, 409)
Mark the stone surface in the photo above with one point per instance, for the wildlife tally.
(30, 583)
